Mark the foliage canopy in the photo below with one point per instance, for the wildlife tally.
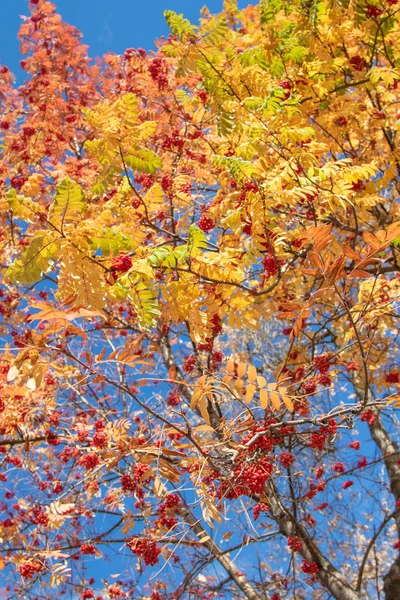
(200, 291)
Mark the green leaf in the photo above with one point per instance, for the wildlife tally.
(196, 241)
(35, 260)
(179, 26)
(69, 203)
(23, 208)
(111, 242)
(145, 161)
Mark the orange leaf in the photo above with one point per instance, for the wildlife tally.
(371, 240)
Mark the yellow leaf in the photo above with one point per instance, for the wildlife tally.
(239, 386)
(264, 398)
(230, 366)
(250, 391)
(275, 400)
(203, 410)
(195, 398)
(252, 373)
(262, 382)
(204, 428)
(288, 403)
(242, 368)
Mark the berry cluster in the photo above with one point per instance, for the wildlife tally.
(358, 63)
(146, 549)
(39, 516)
(322, 363)
(286, 85)
(294, 543)
(28, 569)
(372, 11)
(258, 509)
(205, 223)
(311, 568)
(133, 483)
(270, 264)
(146, 181)
(392, 377)
(88, 549)
(248, 478)
(368, 416)
(173, 398)
(167, 511)
(189, 364)
(158, 70)
(339, 467)
(121, 263)
(114, 591)
(347, 484)
(174, 142)
(286, 459)
(341, 121)
(89, 461)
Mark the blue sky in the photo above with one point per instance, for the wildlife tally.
(107, 25)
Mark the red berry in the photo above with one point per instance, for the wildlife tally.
(121, 263)
(392, 377)
(355, 445)
(341, 121)
(347, 484)
(372, 12)
(358, 63)
(206, 223)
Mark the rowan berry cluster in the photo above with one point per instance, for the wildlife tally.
(392, 377)
(347, 484)
(322, 363)
(88, 549)
(28, 569)
(205, 223)
(294, 543)
(87, 595)
(286, 459)
(133, 483)
(167, 511)
(89, 461)
(146, 181)
(121, 263)
(368, 416)
(158, 70)
(310, 568)
(173, 398)
(248, 478)
(114, 591)
(145, 548)
(270, 264)
(372, 11)
(189, 364)
(39, 516)
(358, 63)
(258, 509)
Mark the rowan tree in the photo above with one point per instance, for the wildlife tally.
(199, 318)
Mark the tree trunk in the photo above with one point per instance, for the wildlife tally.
(391, 457)
(327, 573)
